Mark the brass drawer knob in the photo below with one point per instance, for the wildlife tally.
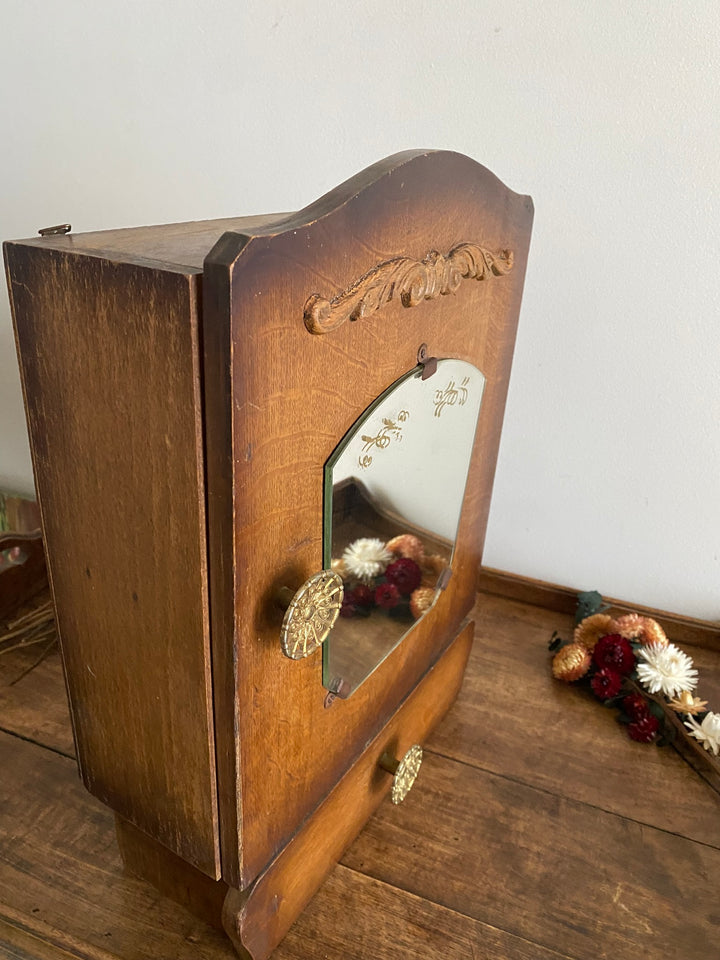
(403, 771)
(311, 614)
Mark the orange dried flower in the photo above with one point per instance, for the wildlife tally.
(434, 563)
(686, 702)
(634, 627)
(421, 600)
(571, 662)
(589, 630)
(407, 545)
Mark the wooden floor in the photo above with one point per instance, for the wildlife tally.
(536, 831)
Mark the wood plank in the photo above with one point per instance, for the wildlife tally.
(184, 245)
(551, 870)
(110, 365)
(510, 654)
(17, 944)
(35, 707)
(357, 918)
(63, 893)
(513, 719)
(61, 879)
(512, 586)
(473, 865)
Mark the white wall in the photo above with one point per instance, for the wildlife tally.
(119, 114)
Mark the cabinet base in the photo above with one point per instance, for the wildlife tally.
(258, 918)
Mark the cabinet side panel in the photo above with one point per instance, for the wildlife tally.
(109, 359)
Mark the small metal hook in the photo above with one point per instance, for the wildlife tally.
(60, 228)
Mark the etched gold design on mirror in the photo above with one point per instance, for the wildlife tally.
(390, 431)
(407, 280)
(311, 614)
(451, 396)
(394, 489)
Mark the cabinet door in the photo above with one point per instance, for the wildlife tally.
(306, 324)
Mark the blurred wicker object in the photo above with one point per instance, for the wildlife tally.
(22, 559)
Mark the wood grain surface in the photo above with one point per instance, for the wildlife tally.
(513, 844)
(110, 367)
(259, 919)
(278, 400)
(109, 327)
(680, 629)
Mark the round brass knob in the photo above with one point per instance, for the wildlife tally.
(311, 614)
(403, 771)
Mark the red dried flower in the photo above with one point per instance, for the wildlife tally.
(615, 653)
(387, 595)
(362, 596)
(644, 730)
(348, 607)
(635, 706)
(606, 683)
(405, 574)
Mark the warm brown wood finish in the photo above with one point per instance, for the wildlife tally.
(278, 400)
(682, 629)
(32, 701)
(537, 831)
(176, 246)
(109, 359)
(258, 920)
(150, 411)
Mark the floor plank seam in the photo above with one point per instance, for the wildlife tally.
(459, 913)
(36, 743)
(562, 796)
(67, 945)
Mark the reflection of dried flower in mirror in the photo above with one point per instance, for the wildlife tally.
(362, 596)
(387, 596)
(407, 545)
(634, 627)
(434, 563)
(589, 631)
(666, 669)
(405, 574)
(366, 558)
(421, 600)
(707, 732)
(347, 608)
(571, 662)
(687, 703)
(339, 567)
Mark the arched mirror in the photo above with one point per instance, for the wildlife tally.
(394, 489)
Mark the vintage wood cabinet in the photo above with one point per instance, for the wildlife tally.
(187, 387)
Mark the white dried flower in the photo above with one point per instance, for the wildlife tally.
(707, 732)
(366, 558)
(666, 669)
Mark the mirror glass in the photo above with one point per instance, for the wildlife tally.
(394, 488)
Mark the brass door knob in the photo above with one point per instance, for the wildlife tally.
(403, 771)
(311, 614)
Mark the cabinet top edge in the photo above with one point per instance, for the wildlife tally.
(180, 247)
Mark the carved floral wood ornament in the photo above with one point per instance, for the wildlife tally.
(410, 281)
